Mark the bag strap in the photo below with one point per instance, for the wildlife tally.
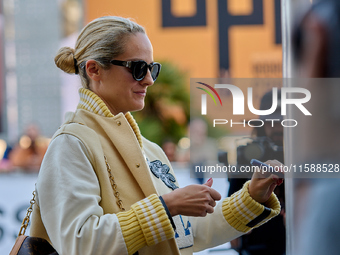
(119, 202)
(26, 220)
(114, 186)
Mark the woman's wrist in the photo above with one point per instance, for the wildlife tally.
(167, 212)
(168, 200)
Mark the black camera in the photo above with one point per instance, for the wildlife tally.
(223, 157)
(261, 148)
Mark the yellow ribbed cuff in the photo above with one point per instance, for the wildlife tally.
(243, 213)
(146, 223)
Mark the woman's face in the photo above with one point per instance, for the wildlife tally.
(116, 86)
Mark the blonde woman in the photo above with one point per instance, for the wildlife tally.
(103, 188)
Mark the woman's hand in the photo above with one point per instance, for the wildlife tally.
(261, 186)
(192, 200)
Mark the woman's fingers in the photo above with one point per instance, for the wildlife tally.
(214, 194)
(192, 200)
(275, 170)
(262, 185)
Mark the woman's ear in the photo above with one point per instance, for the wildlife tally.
(93, 70)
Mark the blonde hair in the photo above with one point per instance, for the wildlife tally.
(101, 40)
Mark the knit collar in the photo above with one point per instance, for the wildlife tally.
(91, 102)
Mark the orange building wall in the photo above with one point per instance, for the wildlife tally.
(195, 49)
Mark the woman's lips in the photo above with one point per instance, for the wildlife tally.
(141, 93)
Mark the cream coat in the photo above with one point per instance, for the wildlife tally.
(94, 228)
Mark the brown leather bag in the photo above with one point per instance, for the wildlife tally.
(26, 245)
(33, 246)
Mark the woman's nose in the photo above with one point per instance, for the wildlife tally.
(148, 81)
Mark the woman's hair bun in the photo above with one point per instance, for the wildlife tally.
(65, 59)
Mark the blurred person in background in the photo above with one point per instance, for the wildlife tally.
(170, 149)
(103, 188)
(269, 239)
(28, 154)
(316, 40)
(203, 149)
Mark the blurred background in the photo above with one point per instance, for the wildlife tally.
(191, 39)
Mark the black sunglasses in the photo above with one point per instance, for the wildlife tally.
(140, 68)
